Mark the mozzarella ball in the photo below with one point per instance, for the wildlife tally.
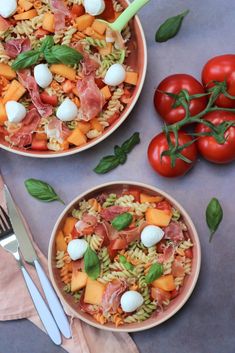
(7, 8)
(67, 111)
(94, 7)
(42, 75)
(115, 75)
(16, 112)
(77, 248)
(151, 235)
(131, 300)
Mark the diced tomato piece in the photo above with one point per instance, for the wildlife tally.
(75, 234)
(40, 32)
(77, 10)
(87, 231)
(4, 24)
(112, 252)
(68, 86)
(133, 192)
(100, 83)
(161, 246)
(174, 293)
(163, 205)
(39, 145)
(109, 13)
(47, 99)
(126, 97)
(113, 118)
(119, 244)
(189, 253)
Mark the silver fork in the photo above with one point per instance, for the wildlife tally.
(9, 242)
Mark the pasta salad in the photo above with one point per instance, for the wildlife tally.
(64, 75)
(123, 256)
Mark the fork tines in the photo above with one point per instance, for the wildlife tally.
(5, 223)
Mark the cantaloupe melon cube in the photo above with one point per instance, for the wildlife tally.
(106, 92)
(131, 78)
(165, 283)
(49, 22)
(78, 281)
(69, 225)
(150, 198)
(94, 292)
(7, 72)
(99, 27)
(60, 241)
(77, 137)
(157, 217)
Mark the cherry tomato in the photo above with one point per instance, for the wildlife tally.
(47, 99)
(109, 13)
(189, 253)
(221, 68)
(162, 165)
(209, 148)
(175, 84)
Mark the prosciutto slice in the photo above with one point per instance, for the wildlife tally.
(30, 84)
(177, 268)
(16, 46)
(160, 296)
(89, 64)
(168, 252)
(4, 24)
(23, 137)
(112, 295)
(92, 100)
(109, 213)
(133, 234)
(174, 232)
(58, 129)
(88, 308)
(89, 219)
(60, 12)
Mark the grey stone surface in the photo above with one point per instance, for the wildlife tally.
(206, 323)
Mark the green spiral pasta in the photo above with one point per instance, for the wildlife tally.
(110, 200)
(104, 259)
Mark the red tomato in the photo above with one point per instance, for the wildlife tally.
(189, 253)
(100, 83)
(164, 205)
(39, 145)
(162, 165)
(174, 293)
(113, 118)
(161, 246)
(209, 148)
(108, 14)
(77, 10)
(47, 99)
(175, 84)
(221, 68)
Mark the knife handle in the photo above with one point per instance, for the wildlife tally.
(42, 309)
(53, 301)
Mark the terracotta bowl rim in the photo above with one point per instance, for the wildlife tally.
(142, 325)
(112, 129)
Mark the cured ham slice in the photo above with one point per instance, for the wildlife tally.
(23, 137)
(16, 46)
(174, 232)
(177, 268)
(60, 131)
(160, 296)
(112, 295)
(133, 234)
(60, 12)
(109, 213)
(168, 252)
(89, 219)
(88, 308)
(30, 84)
(89, 64)
(92, 100)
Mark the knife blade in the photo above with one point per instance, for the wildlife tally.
(20, 230)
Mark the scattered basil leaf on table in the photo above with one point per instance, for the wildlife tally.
(122, 221)
(155, 271)
(91, 263)
(120, 155)
(170, 27)
(214, 216)
(41, 190)
(125, 263)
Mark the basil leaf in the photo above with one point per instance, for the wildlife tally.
(155, 271)
(170, 27)
(50, 58)
(214, 215)
(125, 263)
(106, 164)
(41, 190)
(129, 144)
(66, 55)
(47, 43)
(91, 263)
(122, 221)
(26, 59)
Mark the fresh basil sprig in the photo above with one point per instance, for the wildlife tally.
(155, 271)
(91, 263)
(170, 27)
(125, 263)
(214, 216)
(120, 155)
(41, 191)
(122, 221)
(53, 54)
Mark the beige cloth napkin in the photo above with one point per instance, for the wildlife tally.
(15, 303)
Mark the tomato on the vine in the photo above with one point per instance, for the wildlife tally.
(209, 147)
(162, 164)
(221, 68)
(164, 104)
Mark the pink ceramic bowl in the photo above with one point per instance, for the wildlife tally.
(138, 61)
(176, 303)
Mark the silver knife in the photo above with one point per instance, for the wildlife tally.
(30, 256)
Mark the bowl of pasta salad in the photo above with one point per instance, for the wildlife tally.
(124, 256)
(66, 80)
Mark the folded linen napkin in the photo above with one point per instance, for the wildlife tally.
(85, 338)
